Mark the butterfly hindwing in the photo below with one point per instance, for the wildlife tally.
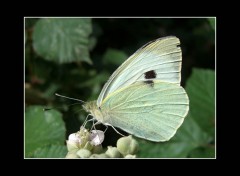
(153, 111)
(157, 60)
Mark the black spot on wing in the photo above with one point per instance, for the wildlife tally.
(149, 82)
(150, 74)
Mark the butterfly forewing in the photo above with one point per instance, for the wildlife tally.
(163, 56)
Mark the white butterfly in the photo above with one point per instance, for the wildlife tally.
(143, 96)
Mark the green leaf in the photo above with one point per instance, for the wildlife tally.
(63, 40)
(212, 22)
(203, 152)
(114, 56)
(42, 128)
(188, 137)
(92, 43)
(201, 91)
(52, 151)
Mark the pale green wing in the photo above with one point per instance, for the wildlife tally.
(151, 111)
(163, 56)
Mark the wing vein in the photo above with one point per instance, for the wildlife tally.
(161, 90)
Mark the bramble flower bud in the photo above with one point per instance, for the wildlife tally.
(130, 156)
(84, 153)
(102, 155)
(127, 145)
(96, 137)
(71, 155)
(84, 143)
(73, 142)
(113, 152)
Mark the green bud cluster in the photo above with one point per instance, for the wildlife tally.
(80, 145)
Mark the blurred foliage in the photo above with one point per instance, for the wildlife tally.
(62, 40)
(42, 128)
(201, 91)
(58, 53)
(51, 151)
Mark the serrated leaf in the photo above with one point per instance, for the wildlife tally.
(63, 40)
(114, 56)
(200, 88)
(42, 128)
(52, 151)
(188, 137)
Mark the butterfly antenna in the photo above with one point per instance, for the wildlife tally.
(68, 97)
(47, 109)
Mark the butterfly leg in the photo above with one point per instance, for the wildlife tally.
(86, 121)
(107, 124)
(106, 128)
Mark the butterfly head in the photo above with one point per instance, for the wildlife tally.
(94, 110)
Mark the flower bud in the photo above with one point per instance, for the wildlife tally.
(130, 156)
(84, 153)
(127, 145)
(103, 155)
(73, 142)
(96, 137)
(71, 155)
(113, 152)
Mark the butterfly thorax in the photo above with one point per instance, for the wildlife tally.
(95, 111)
